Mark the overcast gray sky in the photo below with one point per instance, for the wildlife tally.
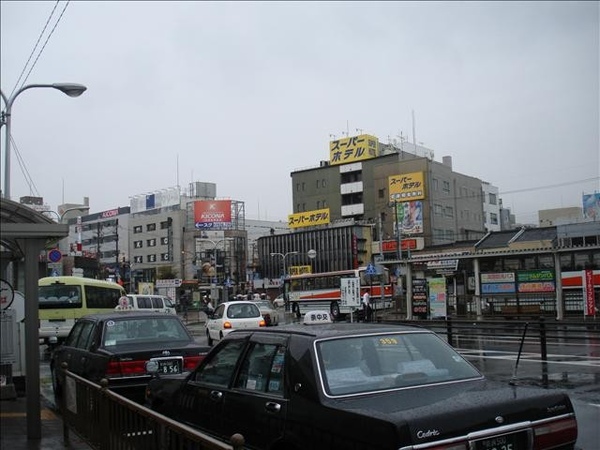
(243, 93)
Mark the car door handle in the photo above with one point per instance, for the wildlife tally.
(216, 396)
(273, 407)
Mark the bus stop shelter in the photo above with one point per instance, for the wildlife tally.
(24, 233)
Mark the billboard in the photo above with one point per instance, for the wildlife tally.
(410, 216)
(155, 200)
(406, 187)
(352, 149)
(309, 218)
(212, 214)
(591, 206)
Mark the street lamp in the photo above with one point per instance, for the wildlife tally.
(283, 257)
(71, 89)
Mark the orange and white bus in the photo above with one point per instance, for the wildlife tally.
(322, 291)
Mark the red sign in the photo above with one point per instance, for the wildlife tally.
(212, 213)
(391, 246)
(588, 292)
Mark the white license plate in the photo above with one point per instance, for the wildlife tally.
(512, 441)
(168, 366)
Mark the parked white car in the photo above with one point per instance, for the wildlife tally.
(268, 311)
(279, 301)
(232, 316)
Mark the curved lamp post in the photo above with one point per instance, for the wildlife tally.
(214, 295)
(71, 89)
(283, 258)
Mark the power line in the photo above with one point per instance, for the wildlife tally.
(550, 186)
(34, 48)
(28, 178)
(46, 42)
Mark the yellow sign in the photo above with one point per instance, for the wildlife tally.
(352, 149)
(299, 270)
(309, 218)
(406, 187)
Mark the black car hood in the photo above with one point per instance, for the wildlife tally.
(435, 412)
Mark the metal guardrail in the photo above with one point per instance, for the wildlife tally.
(109, 421)
(541, 329)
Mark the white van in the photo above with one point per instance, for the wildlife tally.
(156, 303)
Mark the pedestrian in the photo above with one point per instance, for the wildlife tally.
(366, 303)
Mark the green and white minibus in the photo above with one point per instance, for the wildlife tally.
(63, 300)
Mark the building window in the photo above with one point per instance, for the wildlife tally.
(318, 183)
(324, 182)
(137, 229)
(164, 225)
(494, 218)
(151, 242)
(446, 186)
(450, 235)
(381, 193)
(434, 184)
(438, 234)
(164, 240)
(318, 204)
(138, 259)
(151, 227)
(324, 203)
(164, 257)
(138, 244)
(438, 210)
(493, 199)
(303, 186)
(297, 187)
(449, 211)
(151, 258)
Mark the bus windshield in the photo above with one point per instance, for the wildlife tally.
(59, 296)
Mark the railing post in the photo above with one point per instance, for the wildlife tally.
(543, 343)
(544, 352)
(449, 331)
(237, 441)
(61, 399)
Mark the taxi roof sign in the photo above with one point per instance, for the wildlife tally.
(317, 317)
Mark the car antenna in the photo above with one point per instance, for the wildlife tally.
(514, 375)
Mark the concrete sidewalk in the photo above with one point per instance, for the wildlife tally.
(13, 428)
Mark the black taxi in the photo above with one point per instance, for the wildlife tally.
(358, 386)
(116, 346)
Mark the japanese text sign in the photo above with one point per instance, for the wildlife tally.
(405, 187)
(309, 218)
(352, 149)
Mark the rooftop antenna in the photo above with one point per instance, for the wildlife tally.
(413, 129)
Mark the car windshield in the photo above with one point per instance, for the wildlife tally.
(359, 364)
(138, 330)
(242, 311)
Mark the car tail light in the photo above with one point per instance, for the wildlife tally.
(227, 325)
(262, 323)
(126, 368)
(190, 362)
(552, 434)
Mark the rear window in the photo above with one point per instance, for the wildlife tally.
(361, 364)
(139, 330)
(243, 311)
